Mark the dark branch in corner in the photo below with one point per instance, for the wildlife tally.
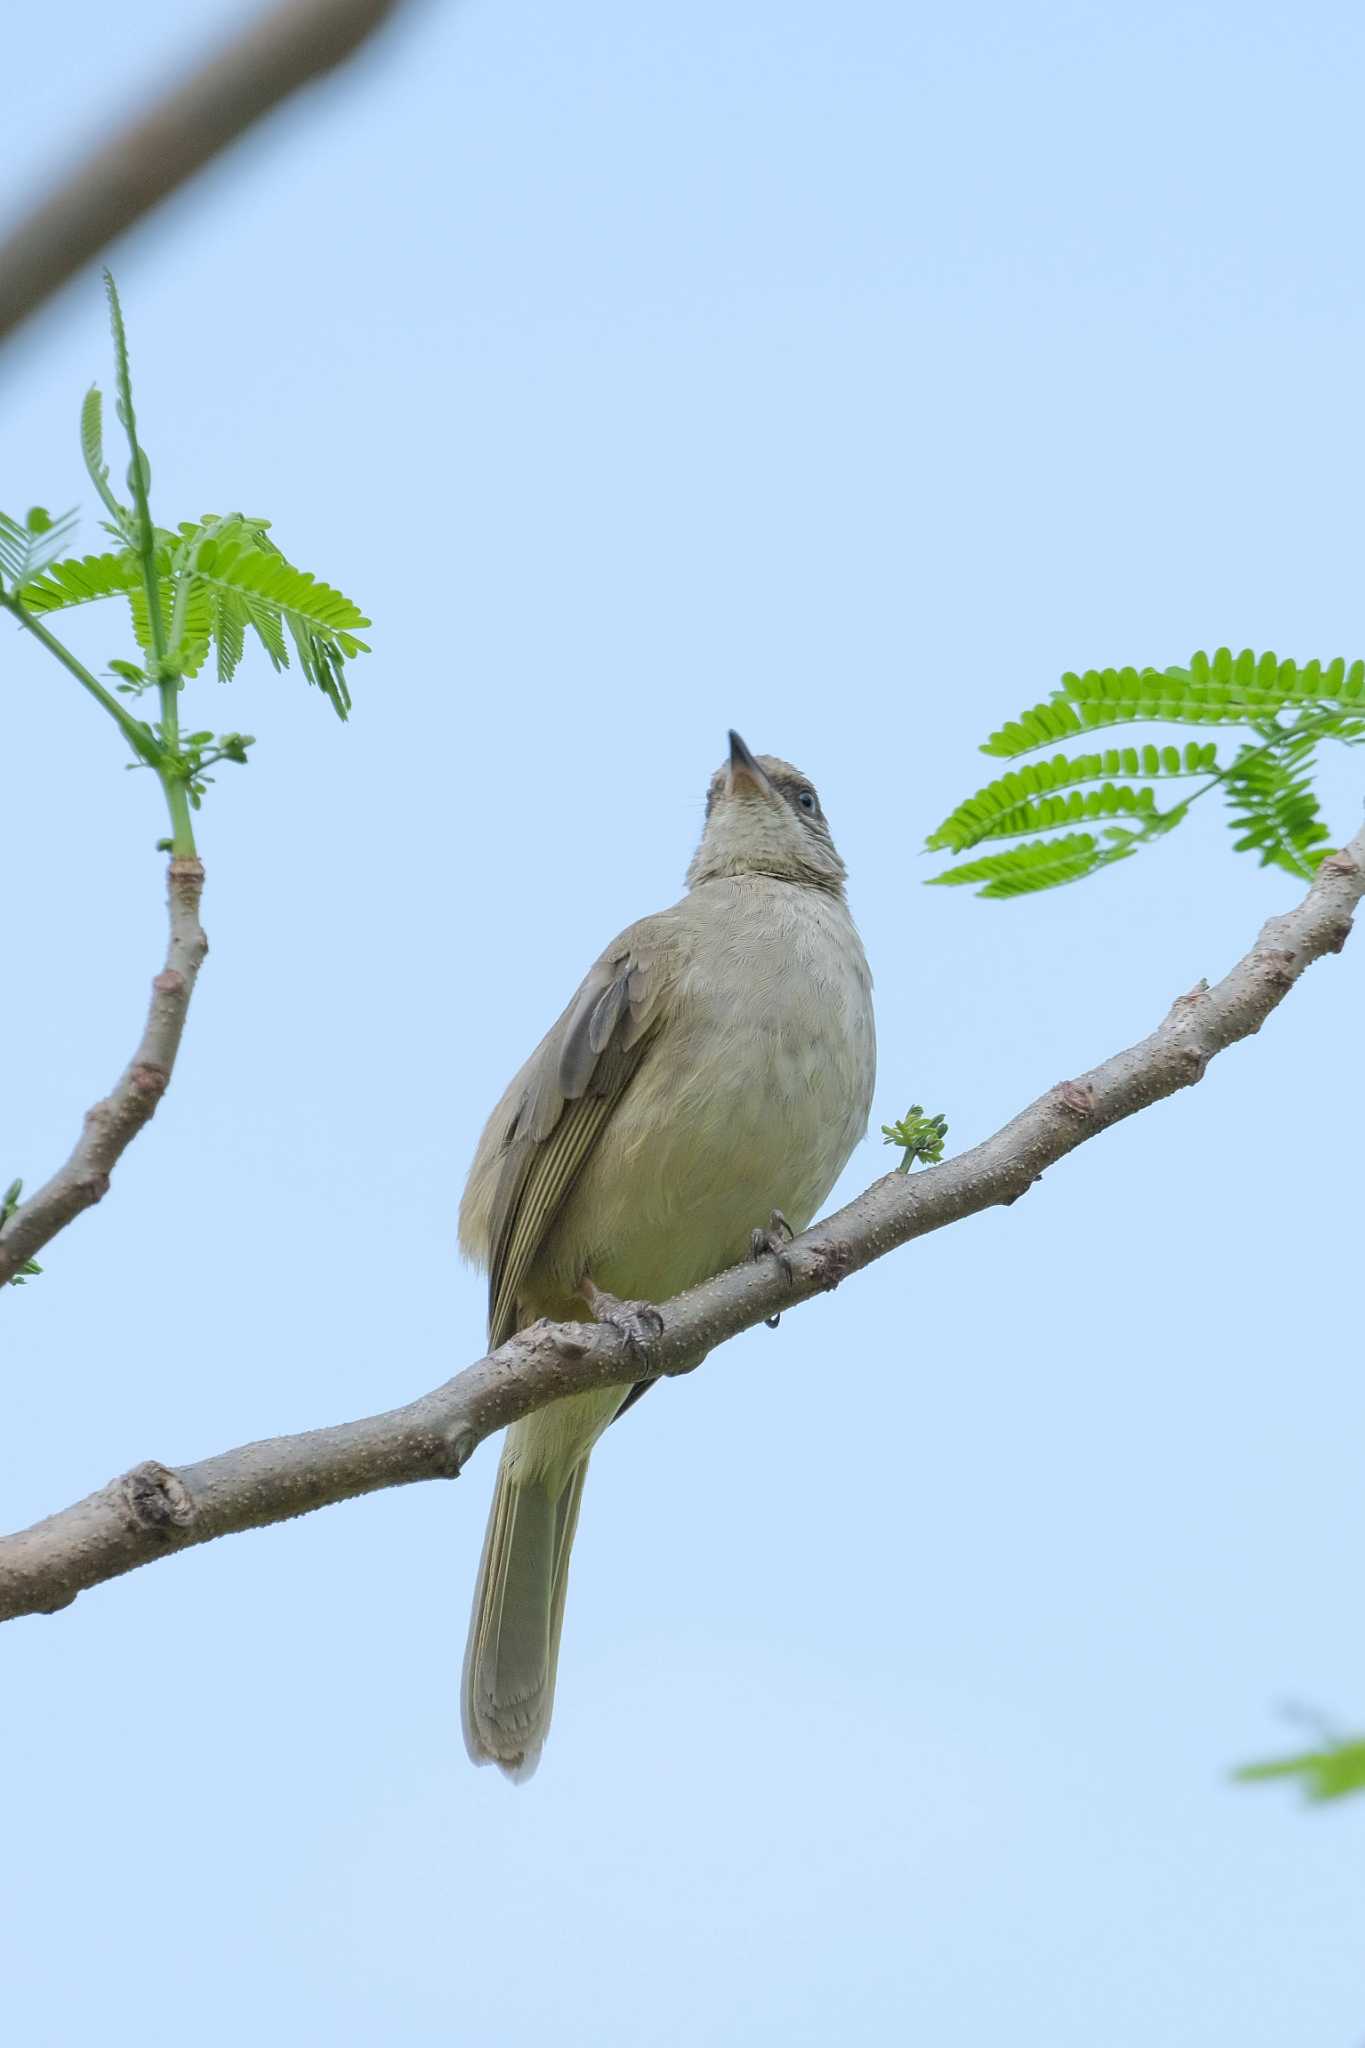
(112, 1124)
(154, 1510)
(174, 137)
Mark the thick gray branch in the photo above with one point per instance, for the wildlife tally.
(172, 139)
(111, 1125)
(154, 1510)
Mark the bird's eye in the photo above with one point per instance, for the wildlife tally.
(806, 799)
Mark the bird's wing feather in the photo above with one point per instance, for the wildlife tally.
(569, 1089)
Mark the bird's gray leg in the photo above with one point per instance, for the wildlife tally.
(639, 1322)
(772, 1244)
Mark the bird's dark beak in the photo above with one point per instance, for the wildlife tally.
(744, 771)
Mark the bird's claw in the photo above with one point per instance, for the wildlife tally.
(772, 1244)
(638, 1323)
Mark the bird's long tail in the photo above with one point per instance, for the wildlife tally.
(509, 1665)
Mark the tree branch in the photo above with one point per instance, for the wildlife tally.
(175, 137)
(111, 1125)
(153, 1510)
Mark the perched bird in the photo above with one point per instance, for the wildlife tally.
(714, 1071)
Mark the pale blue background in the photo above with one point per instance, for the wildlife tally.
(843, 374)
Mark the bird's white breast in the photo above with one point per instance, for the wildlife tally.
(755, 1095)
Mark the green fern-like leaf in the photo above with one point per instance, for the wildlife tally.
(229, 634)
(197, 621)
(321, 660)
(92, 452)
(1040, 864)
(1269, 783)
(291, 592)
(92, 436)
(1274, 807)
(233, 580)
(1030, 798)
(199, 588)
(265, 624)
(1044, 814)
(265, 591)
(123, 376)
(1222, 689)
(83, 581)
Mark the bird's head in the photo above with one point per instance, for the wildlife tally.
(763, 817)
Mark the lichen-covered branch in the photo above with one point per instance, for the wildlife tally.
(154, 1510)
(112, 1124)
(171, 138)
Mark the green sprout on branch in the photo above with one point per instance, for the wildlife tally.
(192, 591)
(9, 1202)
(921, 1136)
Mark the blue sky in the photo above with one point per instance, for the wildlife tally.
(842, 375)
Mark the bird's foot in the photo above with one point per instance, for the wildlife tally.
(772, 1244)
(638, 1322)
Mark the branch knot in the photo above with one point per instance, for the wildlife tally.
(1278, 963)
(156, 1498)
(833, 1262)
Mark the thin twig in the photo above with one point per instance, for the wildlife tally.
(141, 741)
(153, 1510)
(112, 1124)
(173, 138)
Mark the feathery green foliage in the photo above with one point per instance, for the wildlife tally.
(217, 578)
(203, 588)
(1273, 804)
(1267, 783)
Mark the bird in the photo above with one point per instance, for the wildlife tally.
(715, 1068)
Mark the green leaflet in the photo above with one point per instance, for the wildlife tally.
(1274, 807)
(1037, 785)
(229, 635)
(1224, 689)
(253, 585)
(92, 437)
(1268, 784)
(82, 581)
(1041, 864)
(1076, 809)
(190, 645)
(242, 567)
(256, 586)
(92, 452)
(27, 549)
(1331, 1772)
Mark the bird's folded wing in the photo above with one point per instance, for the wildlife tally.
(572, 1085)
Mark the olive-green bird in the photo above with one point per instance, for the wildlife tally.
(715, 1065)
